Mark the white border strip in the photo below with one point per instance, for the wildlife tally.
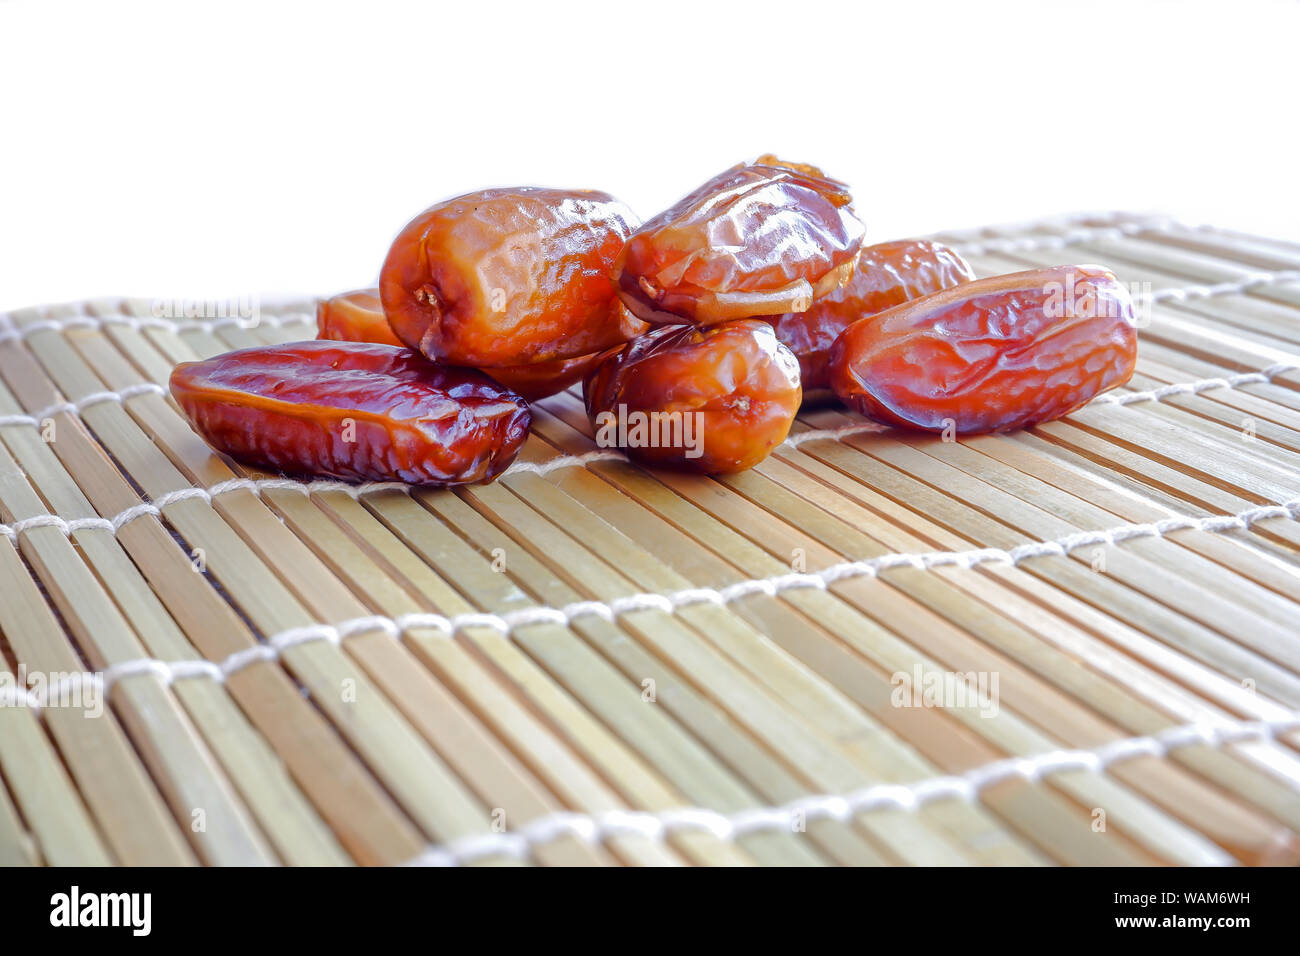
(594, 829)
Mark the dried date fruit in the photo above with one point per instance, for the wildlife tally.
(713, 399)
(885, 275)
(353, 411)
(993, 354)
(509, 277)
(354, 317)
(541, 379)
(758, 239)
(359, 317)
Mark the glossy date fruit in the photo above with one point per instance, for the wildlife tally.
(354, 317)
(541, 379)
(758, 239)
(885, 275)
(353, 411)
(509, 277)
(993, 354)
(359, 317)
(714, 399)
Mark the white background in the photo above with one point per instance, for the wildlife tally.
(185, 149)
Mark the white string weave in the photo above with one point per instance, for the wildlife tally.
(671, 603)
(11, 332)
(257, 485)
(1195, 388)
(1076, 221)
(659, 826)
(1251, 280)
(1069, 237)
(38, 418)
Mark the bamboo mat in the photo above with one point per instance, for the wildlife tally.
(590, 663)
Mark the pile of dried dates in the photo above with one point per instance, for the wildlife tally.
(695, 335)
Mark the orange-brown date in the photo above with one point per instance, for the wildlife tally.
(353, 411)
(989, 355)
(758, 239)
(713, 399)
(509, 277)
(359, 317)
(885, 275)
(354, 317)
(541, 379)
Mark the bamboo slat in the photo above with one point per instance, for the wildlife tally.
(239, 728)
(61, 826)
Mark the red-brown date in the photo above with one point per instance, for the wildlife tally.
(712, 399)
(758, 239)
(989, 355)
(353, 411)
(509, 277)
(885, 275)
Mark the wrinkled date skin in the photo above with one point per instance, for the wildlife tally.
(354, 317)
(359, 317)
(993, 354)
(758, 239)
(886, 275)
(715, 399)
(353, 411)
(509, 277)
